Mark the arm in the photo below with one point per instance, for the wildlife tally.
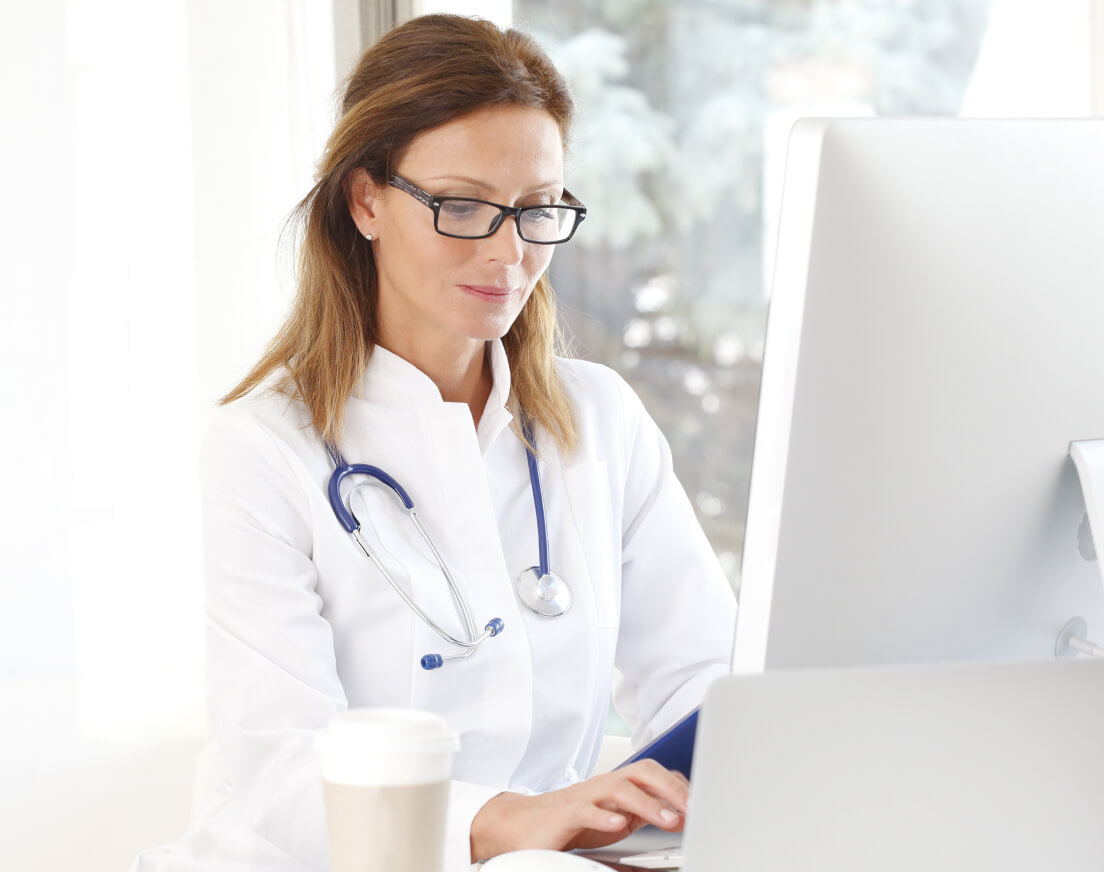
(677, 620)
(678, 611)
(272, 669)
(272, 677)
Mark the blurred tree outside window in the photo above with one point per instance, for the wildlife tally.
(683, 113)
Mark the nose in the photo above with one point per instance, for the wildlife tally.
(505, 245)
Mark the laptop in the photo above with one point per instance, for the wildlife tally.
(934, 767)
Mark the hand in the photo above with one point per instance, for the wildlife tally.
(596, 812)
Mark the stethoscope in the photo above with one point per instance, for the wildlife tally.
(542, 591)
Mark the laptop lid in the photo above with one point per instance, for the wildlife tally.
(948, 767)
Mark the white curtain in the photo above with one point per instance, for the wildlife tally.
(149, 155)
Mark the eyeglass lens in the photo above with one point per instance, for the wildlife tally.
(536, 223)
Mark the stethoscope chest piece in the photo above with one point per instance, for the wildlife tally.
(546, 594)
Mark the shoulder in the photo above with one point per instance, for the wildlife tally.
(588, 383)
(267, 410)
(608, 412)
(264, 430)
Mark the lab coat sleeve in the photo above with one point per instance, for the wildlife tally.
(272, 678)
(678, 612)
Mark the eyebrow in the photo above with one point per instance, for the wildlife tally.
(479, 183)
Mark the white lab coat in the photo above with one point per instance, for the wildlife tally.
(301, 625)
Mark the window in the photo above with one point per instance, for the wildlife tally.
(683, 114)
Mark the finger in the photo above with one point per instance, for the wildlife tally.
(671, 787)
(592, 816)
(634, 799)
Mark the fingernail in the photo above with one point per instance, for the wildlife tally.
(616, 820)
(667, 816)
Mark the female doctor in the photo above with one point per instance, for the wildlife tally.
(421, 343)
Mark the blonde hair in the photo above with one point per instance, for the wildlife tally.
(422, 74)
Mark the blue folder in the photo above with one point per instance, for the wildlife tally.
(674, 748)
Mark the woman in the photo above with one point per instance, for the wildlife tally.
(422, 342)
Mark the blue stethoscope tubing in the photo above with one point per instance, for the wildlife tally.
(541, 590)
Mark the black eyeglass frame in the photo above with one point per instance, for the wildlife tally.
(435, 203)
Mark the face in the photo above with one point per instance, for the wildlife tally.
(452, 295)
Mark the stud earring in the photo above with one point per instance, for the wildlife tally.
(368, 236)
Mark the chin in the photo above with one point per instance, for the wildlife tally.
(490, 331)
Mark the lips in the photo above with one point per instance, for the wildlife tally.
(488, 292)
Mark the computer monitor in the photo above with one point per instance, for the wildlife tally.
(934, 343)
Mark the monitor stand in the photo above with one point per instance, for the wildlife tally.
(1088, 458)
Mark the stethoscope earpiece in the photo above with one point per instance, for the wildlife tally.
(436, 661)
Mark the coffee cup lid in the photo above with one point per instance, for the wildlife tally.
(386, 746)
(400, 730)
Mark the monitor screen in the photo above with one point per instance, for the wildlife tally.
(935, 341)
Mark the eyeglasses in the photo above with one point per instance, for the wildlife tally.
(468, 218)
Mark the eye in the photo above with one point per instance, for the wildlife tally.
(457, 210)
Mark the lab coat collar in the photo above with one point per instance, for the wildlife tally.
(389, 378)
(496, 416)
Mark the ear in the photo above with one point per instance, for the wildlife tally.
(363, 198)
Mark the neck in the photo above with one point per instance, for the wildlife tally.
(462, 376)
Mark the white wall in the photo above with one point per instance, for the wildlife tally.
(1037, 61)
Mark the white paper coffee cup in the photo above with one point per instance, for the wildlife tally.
(386, 746)
(385, 778)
